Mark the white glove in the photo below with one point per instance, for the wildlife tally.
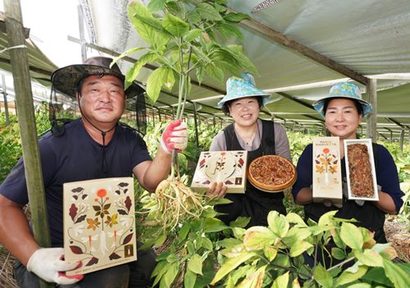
(49, 265)
(175, 136)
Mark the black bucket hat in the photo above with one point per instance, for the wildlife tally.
(67, 79)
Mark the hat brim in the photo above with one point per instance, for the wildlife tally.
(319, 104)
(66, 79)
(266, 98)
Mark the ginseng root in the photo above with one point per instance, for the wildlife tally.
(176, 202)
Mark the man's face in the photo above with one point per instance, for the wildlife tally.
(102, 99)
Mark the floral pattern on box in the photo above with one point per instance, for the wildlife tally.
(228, 167)
(327, 176)
(99, 223)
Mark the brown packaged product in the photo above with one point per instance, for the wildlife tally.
(360, 171)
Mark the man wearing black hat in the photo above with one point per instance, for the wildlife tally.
(92, 147)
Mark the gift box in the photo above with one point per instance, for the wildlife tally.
(228, 167)
(327, 176)
(99, 223)
(360, 170)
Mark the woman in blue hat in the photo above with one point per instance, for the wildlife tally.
(243, 102)
(343, 110)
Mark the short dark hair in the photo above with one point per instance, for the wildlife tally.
(225, 107)
(357, 104)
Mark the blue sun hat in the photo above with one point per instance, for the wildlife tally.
(344, 90)
(243, 87)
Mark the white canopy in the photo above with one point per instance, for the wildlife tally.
(300, 48)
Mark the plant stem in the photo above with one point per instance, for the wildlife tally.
(341, 263)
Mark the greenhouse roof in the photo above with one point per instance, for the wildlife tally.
(300, 48)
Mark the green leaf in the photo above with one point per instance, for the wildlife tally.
(229, 30)
(254, 279)
(175, 25)
(397, 275)
(158, 78)
(172, 257)
(160, 268)
(278, 224)
(208, 12)
(242, 60)
(296, 219)
(230, 265)
(189, 279)
(192, 35)
(193, 17)
(299, 247)
(147, 27)
(160, 240)
(258, 237)
(214, 72)
(282, 260)
(207, 244)
(338, 253)
(214, 225)
(327, 219)
(270, 252)
(231, 59)
(350, 234)
(369, 258)
(183, 232)
(296, 234)
(236, 17)
(322, 277)
(377, 275)
(156, 5)
(170, 275)
(281, 281)
(348, 277)
(201, 56)
(360, 285)
(195, 264)
(136, 68)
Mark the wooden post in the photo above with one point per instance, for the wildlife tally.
(402, 139)
(372, 119)
(28, 131)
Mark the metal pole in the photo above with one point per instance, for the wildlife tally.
(6, 106)
(82, 34)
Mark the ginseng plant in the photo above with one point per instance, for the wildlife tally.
(182, 42)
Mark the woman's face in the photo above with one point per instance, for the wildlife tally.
(342, 118)
(244, 111)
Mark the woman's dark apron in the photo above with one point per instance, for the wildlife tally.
(255, 203)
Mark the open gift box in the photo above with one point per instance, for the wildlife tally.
(228, 167)
(360, 170)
